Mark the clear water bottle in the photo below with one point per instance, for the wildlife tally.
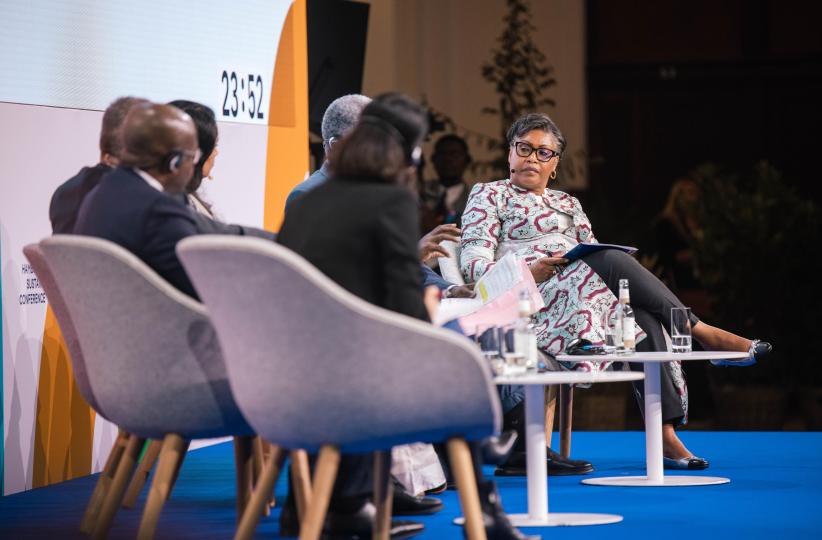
(627, 320)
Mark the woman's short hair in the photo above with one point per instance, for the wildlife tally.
(384, 143)
(531, 121)
(206, 124)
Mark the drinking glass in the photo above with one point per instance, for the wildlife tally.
(488, 339)
(515, 357)
(681, 330)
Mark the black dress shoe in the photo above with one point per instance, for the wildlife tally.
(497, 449)
(497, 524)
(359, 525)
(339, 526)
(406, 504)
(557, 465)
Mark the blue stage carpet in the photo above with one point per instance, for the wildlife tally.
(775, 492)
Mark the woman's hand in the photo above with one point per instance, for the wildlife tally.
(545, 268)
(460, 291)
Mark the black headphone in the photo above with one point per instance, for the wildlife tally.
(413, 154)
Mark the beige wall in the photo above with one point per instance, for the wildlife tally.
(435, 48)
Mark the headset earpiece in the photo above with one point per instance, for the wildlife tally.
(173, 161)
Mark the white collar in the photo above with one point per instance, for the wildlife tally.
(150, 180)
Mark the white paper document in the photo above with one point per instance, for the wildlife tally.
(497, 295)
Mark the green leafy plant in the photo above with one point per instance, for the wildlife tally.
(519, 72)
(759, 239)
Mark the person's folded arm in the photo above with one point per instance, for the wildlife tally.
(480, 232)
(169, 222)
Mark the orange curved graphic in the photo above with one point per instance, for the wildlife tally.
(287, 151)
(64, 431)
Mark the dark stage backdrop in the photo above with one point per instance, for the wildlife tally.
(337, 31)
(672, 85)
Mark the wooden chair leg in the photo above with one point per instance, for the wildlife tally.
(176, 475)
(262, 490)
(271, 452)
(550, 409)
(383, 495)
(140, 477)
(114, 497)
(566, 414)
(244, 463)
(171, 454)
(326, 472)
(459, 455)
(258, 457)
(104, 482)
(301, 479)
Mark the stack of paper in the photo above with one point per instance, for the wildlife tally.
(497, 299)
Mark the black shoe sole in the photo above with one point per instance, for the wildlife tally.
(516, 471)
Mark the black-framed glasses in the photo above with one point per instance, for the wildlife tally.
(524, 149)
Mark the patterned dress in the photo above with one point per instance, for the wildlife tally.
(500, 218)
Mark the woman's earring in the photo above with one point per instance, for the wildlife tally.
(553, 174)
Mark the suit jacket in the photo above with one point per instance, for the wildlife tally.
(66, 201)
(124, 209)
(363, 235)
(434, 211)
(318, 178)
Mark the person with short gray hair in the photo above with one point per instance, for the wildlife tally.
(340, 116)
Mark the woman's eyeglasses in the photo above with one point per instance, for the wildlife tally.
(524, 149)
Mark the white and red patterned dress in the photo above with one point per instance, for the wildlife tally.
(500, 218)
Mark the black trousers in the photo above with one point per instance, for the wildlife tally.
(652, 302)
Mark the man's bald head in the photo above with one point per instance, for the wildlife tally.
(152, 134)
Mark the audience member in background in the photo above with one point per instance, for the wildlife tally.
(443, 200)
(141, 205)
(522, 215)
(674, 235)
(366, 241)
(340, 116)
(66, 201)
(207, 135)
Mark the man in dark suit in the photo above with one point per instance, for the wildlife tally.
(443, 200)
(140, 205)
(338, 119)
(66, 201)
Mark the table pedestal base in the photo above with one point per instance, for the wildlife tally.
(557, 519)
(667, 481)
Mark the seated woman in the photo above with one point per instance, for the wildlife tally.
(524, 216)
(366, 241)
(207, 135)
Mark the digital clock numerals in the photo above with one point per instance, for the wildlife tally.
(242, 96)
